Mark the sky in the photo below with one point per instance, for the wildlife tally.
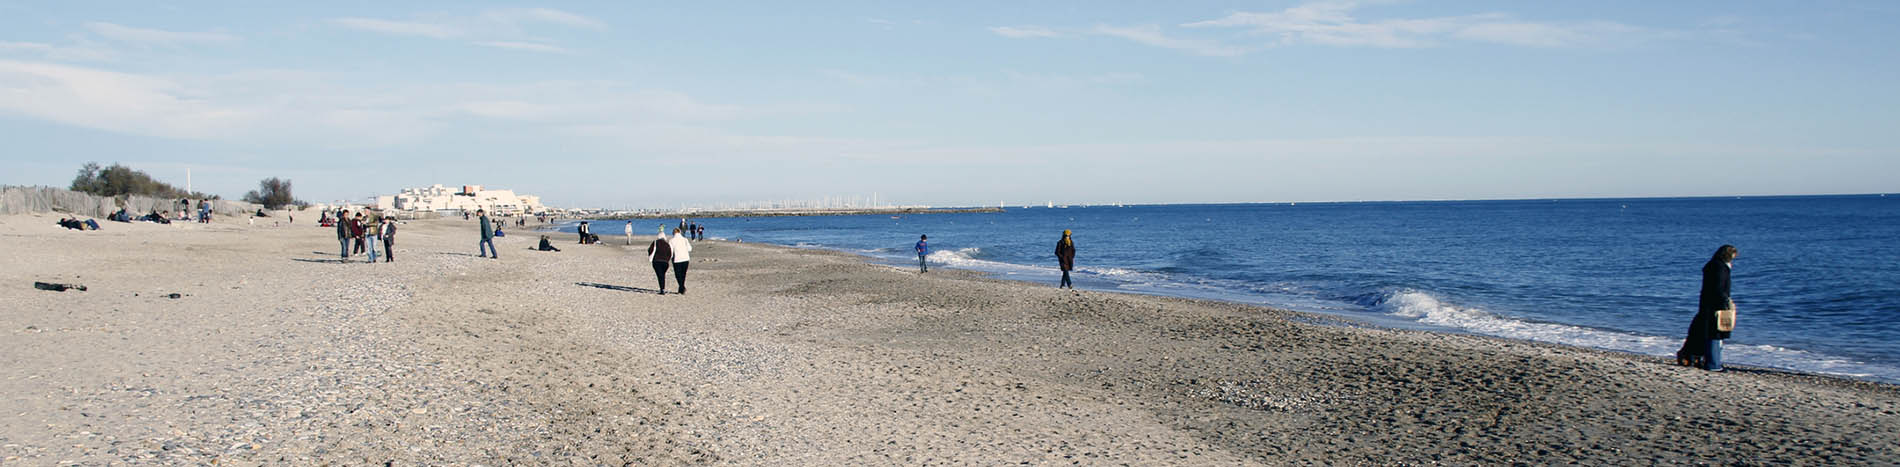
(630, 104)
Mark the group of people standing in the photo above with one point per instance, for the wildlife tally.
(203, 211)
(693, 230)
(366, 233)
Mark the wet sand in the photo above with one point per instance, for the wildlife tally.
(276, 353)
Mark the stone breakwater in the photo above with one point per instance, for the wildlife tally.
(280, 353)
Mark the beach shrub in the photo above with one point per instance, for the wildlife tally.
(119, 180)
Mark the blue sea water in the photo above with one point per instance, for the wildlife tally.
(1817, 282)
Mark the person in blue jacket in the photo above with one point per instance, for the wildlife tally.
(923, 250)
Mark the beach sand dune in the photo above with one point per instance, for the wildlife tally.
(274, 352)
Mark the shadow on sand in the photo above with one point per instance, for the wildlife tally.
(326, 261)
(621, 288)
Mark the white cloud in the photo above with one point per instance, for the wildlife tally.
(279, 107)
(498, 28)
(111, 101)
(1332, 23)
(401, 28)
(544, 15)
(526, 47)
(1152, 35)
(155, 36)
(1024, 32)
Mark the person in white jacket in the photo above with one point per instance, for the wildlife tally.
(682, 253)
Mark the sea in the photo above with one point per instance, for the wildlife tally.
(1816, 283)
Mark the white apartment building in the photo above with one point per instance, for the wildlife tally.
(471, 197)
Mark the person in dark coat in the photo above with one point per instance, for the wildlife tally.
(343, 233)
(1065, 256)
(661, 253)
(356, 231)
(389, 239)
(1703, 346)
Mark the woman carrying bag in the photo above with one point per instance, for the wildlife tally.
(1715, 314)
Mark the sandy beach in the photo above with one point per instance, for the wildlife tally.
(274, 352)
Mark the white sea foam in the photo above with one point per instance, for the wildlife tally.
(1428, 309)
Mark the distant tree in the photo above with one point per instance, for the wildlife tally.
(119, 180)
(273, 193)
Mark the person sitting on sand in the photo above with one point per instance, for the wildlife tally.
(1065, 257)
(546, 245)
(1703, 346)
(661, 254)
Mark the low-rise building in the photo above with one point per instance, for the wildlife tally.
(439, 198)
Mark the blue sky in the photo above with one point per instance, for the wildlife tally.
(659, 104)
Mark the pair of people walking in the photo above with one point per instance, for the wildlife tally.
(674, 253)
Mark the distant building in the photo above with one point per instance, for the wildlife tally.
(439, 198)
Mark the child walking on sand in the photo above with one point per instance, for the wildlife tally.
(923, 251)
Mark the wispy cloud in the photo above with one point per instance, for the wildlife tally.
(1333, 23)
(1152, 35)
(498, 28)
(543, 15)
(1024, 32)
(303, 108)
(156, 36)
(401, 28)
(526, 47)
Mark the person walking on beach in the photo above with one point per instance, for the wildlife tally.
(1703, 347)
(923, 251)
(389, 239)
(629, 229)
(660, 252)
(682, 257)
(343, 234)
(487, 245)
(1065, 257)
